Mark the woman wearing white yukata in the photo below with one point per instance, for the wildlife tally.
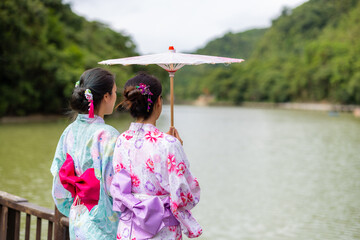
(152, 186)
(82, 166)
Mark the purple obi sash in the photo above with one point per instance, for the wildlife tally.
(86, 187)
(147, 217)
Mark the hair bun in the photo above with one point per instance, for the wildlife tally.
(133, 93)
(78, 100)
(99, 81)
(134, 100)
(140, 95)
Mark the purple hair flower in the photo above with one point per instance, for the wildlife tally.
(145, 90)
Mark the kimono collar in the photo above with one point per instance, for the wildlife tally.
(142, 127)
(85, 119)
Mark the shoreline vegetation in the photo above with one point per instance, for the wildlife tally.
(205, 101)
(309, 54)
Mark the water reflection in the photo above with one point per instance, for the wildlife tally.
(265, 174)
(273, 174)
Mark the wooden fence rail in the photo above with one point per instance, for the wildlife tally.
(12, 206)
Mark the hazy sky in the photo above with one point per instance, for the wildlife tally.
(185, 24)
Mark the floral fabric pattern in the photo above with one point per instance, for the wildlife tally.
(158, 166)
(90, 142)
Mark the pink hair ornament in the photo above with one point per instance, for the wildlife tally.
(89, 97)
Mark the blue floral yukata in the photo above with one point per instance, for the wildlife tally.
(83, 171)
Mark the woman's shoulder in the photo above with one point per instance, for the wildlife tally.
(105, 129)
(170, 141)
(150, 135)
(157, 137)
(111, 129)
(67, 130)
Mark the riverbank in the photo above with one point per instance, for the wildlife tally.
(325, 107)
(35, 118)
(31, 118)
(209, 101)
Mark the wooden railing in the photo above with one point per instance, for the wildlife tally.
(11, 208)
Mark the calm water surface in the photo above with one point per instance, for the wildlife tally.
(265, 174)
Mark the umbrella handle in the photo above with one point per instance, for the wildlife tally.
(172, 98)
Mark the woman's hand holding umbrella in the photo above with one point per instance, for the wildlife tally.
(175, 133)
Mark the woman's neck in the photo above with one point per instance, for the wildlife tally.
(100, 114)
(152, 118)
(147, 121)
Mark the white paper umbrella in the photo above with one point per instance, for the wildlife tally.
(171, 61)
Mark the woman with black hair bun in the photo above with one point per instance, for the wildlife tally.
(82, 166)
(152, 186)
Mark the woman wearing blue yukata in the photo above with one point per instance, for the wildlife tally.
(82, 166)
(152, 186)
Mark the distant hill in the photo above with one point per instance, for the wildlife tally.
(44, 48)
(236, 45)
(193, 79)
(309, 54)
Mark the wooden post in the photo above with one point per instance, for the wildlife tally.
(38, 229)
(50, 230)
(10, 224)
(4, 222)
(59, 229)
(13, 228)
(27, 227)
(17, 225)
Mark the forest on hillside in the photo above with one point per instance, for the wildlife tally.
(45, 47)
(309, 54)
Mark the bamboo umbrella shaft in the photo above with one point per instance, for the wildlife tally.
(171, 75)
(172, 99)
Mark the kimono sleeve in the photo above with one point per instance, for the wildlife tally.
(184, 190)
(62, 197)
(107, 141)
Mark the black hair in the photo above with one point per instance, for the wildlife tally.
(135, 101)
(99, 81)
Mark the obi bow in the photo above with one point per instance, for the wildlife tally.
(86, 187)
(145, 217)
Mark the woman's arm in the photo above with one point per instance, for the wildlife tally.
(62, 197)
(184, 190)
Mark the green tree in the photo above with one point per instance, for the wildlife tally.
(44, 49)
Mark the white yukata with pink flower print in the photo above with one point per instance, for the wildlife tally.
(158, 166)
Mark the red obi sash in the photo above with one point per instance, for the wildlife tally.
(86, 187)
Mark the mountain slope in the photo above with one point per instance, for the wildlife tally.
(193, 80)
(310, 53)
(44, 49)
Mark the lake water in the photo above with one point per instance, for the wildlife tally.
(265, 174)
